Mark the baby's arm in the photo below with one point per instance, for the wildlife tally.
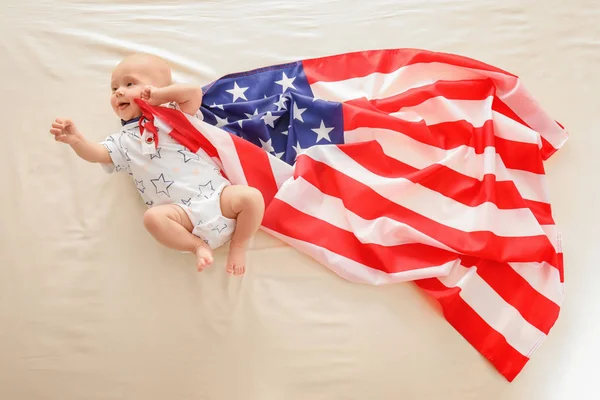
(65, 131)
(188, 97)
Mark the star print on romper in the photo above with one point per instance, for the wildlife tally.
(206, 190)
(140, 185)
(187, 156)
(187, 202)
(220, 228)
(161, 185)
(157, 155)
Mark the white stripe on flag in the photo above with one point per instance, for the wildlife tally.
(439, 109)
(528, 109)
(543, 277)
(382, 231)
(381, 85)
(359, 273)
(492, 308)
(508, 128)
(282, 171)
(431, 204)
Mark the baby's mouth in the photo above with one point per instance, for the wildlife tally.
(123, 106)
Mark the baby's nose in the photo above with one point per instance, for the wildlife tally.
(120, 92)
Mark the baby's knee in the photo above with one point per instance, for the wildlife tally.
(253, 198)
(152, 219)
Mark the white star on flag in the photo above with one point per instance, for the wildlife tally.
(269, 119)
(298, 112)
(322, 132)
(237, 92)
(286, 83)
(299, 150)
(278, 155)
(252, 115)
(221, 121)
(216, 105)
(266, 146)
(281, 103)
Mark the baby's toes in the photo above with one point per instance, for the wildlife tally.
(230, 269)
(239, 269)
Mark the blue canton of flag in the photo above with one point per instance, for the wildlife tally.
(275, 109)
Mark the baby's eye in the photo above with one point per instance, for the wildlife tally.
(130, 84)
(114, 89)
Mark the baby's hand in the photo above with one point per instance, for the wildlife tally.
(152, 95)
(65, 131)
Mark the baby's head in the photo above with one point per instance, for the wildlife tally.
(130, 77)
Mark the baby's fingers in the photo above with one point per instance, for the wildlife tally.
(57, 125)
(56, 131)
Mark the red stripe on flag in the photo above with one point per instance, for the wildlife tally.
(285, 219)
(502, 108)
(183, 130)
(464, 189)
(538, 310)
(541, 211)
(447, 135)
(368, 204)
(362, 63)
(256, 167)
(547, 149)
(490, 343)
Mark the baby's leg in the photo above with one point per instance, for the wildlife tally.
(246, 205)
(171, 226)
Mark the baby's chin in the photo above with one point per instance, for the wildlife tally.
(126, 115)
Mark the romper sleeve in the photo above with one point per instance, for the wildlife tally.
(116, 152)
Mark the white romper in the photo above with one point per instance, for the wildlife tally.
(172, 174)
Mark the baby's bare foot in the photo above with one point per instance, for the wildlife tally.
(236, 260)
(204, 257)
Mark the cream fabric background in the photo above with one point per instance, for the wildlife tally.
(91, 308)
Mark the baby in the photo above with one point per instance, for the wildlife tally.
(192, 207)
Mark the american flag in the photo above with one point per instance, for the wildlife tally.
(401, 165)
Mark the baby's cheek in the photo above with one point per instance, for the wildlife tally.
(136, 93)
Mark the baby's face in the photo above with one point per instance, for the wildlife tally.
(127, 85)
(128, 81)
